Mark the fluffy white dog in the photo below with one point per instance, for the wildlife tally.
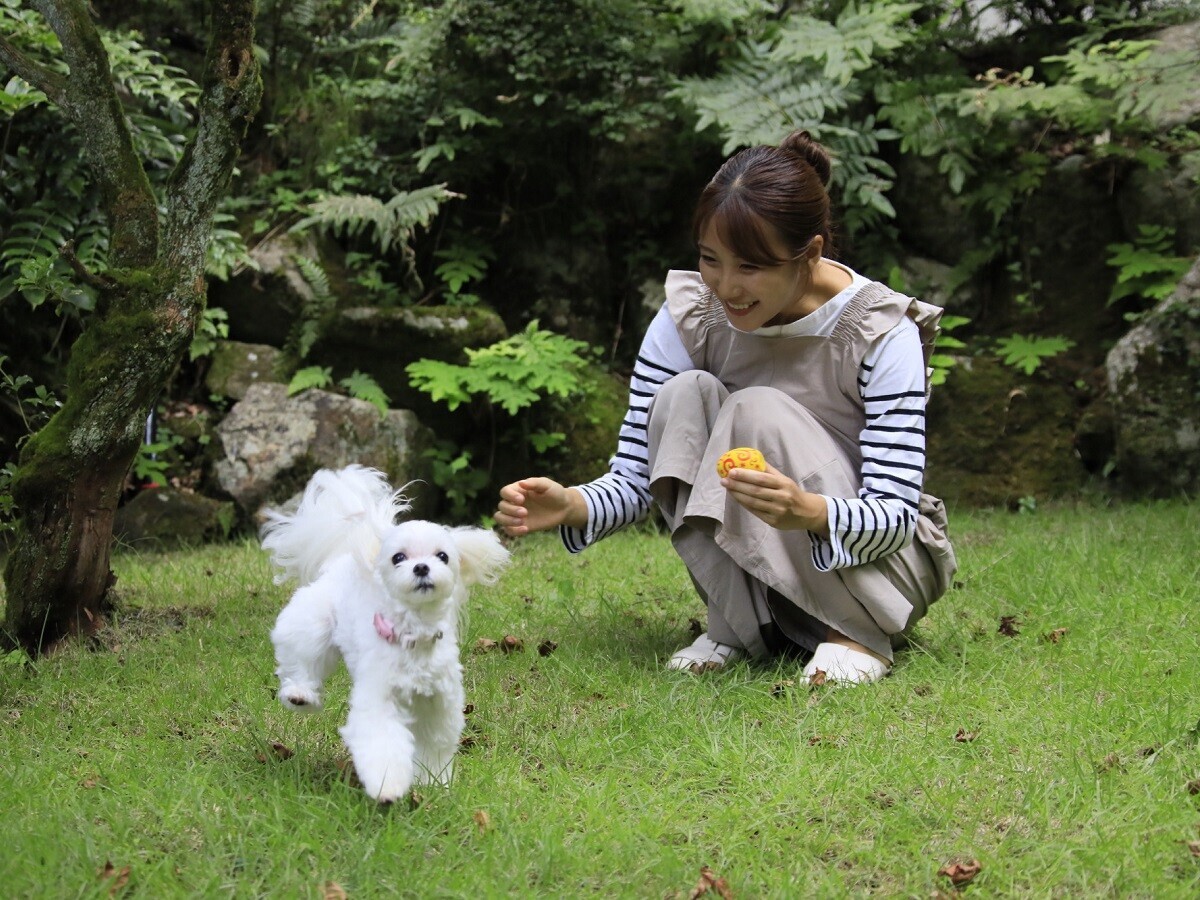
(386, 599)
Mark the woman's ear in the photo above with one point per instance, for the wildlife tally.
(812, 253)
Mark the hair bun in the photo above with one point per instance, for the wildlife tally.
(801, 144)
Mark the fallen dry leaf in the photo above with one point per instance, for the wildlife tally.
(1056, 635)
(1193, 786)
(512, 644)
(545, 648)
(710, 881)
(331, 890)
(118, 877)
(817, 678)
(1193, 846)
(1008, 626)
(961, 872)
(282, 751)
(779, 688)
(482, 820)
(485, 645)
(1109, 762)
(965, 737)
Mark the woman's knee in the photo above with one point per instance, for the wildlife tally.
(761, 405)
(693, 389)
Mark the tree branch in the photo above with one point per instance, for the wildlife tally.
(229, 99)
(89, 99)
(49, 82)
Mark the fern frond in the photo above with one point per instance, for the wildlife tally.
(363, 387)
(390, 223)
(758, 102)
(310, 377)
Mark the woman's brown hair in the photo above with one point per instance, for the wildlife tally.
(782, 187)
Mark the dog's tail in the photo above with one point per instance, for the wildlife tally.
(341, 511)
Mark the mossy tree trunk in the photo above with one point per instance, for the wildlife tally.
(70, 474)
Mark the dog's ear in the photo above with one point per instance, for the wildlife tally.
(482, 556)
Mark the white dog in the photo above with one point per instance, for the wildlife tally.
(386, 599)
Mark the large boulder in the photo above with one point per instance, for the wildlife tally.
(164, 517)
(1153, 401)
(998, 436)
(382, 342)
(272, 443)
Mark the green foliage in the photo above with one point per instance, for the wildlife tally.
(941, 362)
(459, 482)
(316, 308)
(8, 472)
(812, 73)
(357, 385)
(513, 373)
(363, 387)
(227, 251)
(1028, 352)
(310, 377)
(462, 263)
(389, 223)
(213, 327)
(34, 403)
(1147, 267)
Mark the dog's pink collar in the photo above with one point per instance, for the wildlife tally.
(386, 629)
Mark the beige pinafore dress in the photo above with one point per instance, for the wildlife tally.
(796, 399)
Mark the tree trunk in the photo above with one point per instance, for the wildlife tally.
(71, 473)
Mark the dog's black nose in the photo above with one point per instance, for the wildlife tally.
(421, 570)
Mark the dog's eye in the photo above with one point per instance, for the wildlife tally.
(443, 556)
(398, 558)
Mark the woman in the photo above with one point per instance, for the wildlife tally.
(833, 552)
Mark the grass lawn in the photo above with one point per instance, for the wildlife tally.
(1045, 725)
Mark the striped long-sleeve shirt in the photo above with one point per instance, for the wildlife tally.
(891, 383)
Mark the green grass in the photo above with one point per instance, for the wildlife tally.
(593, 771)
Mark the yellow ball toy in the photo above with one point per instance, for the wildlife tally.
(741, 458)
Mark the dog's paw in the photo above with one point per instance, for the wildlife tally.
(293, 696)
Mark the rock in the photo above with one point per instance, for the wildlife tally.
(264, 303)
(235, 366)
(382, 342)
(1166, 197)
(1178, 46)
(1153, 377)
(272, 443)
(165, 517)
(997, 435)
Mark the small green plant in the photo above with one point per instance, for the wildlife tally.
(213, 327)
(35, 403)
(357, 384)
(940, 362)
(316, 308)
(513, 373)
(1147, 267)
(461, 264)
(1028, 352)
(459, 482)
(155, 459)
(7, 473)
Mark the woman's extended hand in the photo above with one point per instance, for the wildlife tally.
(535, 504)
(777, 500)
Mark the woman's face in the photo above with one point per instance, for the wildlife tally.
(754, 295)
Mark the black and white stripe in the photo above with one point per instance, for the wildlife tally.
(878, 522)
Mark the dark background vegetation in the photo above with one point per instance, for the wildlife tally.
(571, 139)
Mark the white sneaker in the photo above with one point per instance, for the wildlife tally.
(705, 655)
(837, 662)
